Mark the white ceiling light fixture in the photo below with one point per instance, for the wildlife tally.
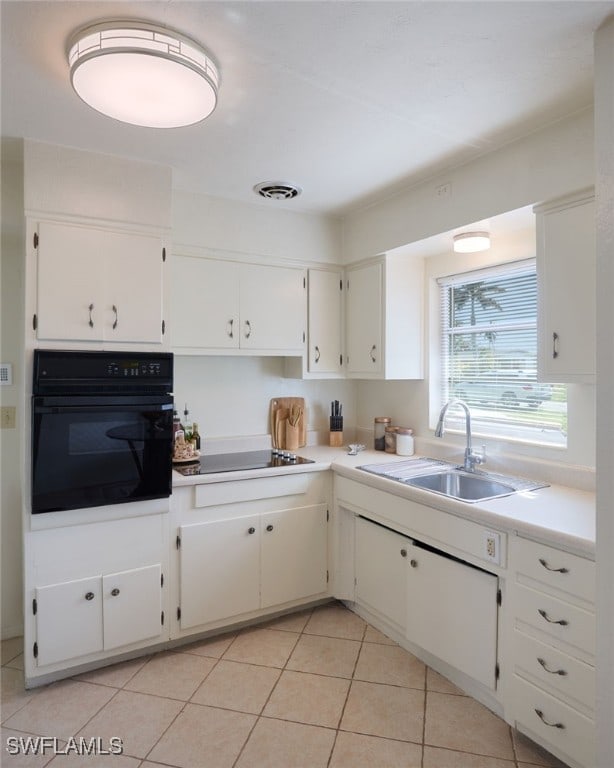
(471, 242)
(277, 190)
(143, 74)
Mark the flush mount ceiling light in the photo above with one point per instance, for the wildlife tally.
(142, 74)
(277, 190)
(471, 242)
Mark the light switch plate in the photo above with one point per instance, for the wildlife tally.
(7, 417)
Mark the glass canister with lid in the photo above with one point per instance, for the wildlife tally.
(405, 441)
(379, 430)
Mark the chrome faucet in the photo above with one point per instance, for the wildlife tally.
(471, 458)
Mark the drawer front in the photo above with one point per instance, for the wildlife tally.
(552, 723)
(559, 620)
(561, 673)
(559, 570)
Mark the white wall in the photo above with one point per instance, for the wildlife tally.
(11, 319)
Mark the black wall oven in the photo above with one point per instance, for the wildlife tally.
(102, 426)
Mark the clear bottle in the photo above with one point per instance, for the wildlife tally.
(379, 431)
(187, 424)
(196, 436)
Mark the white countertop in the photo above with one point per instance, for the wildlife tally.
(557, 515)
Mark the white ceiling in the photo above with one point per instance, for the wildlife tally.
(351, 101)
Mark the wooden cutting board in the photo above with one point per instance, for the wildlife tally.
(280, 409)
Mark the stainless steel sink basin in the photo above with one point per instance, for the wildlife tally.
(461, 485)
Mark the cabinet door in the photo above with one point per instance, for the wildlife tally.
(204, 303)
(364, 337)
(324, 321)
(133, 287)
(273, 308)
(68, 620)
(293, 554)
(70, 283)
(452, 613)
(381, 571)
(132, 606)
(219, 570)
(566, 275)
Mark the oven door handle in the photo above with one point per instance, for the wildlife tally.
(101, 406)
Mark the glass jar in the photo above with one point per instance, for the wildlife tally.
(379, 430)
(390, 439)
(405, 441)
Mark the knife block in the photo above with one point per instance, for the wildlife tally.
(335, 439)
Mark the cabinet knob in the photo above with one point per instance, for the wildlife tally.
(269, 527)
(413, 563)
(403, 553)
(251, 530)
(115, 591)
(89, 595)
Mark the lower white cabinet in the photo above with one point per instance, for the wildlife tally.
(552, 622)
(237, 565)
(381, 571)
(84, 616)
(452, 612)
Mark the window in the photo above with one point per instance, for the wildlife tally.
(489, 356)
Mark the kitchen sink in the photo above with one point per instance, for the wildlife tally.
(462, 485)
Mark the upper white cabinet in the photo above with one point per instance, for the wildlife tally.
(225, 306)
(384, 319)
(98, 285)
(566, 266)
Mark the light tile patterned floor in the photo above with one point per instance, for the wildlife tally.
(317, 689)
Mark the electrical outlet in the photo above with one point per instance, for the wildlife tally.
(7, 417)
(492, 547)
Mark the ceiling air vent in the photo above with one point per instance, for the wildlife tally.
(277, 190)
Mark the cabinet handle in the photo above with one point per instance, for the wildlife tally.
(269, 528)
(230, 328)
(115, 591)
(251, 530)
(317, 357)
(372, 354)
(544, 615)
(403, 553)
(116, 317)
(413, 563)
(555, 345)
(540, 714)
(554, 570)
(91, 321)
(561, 672)
(248, 327)
(89, 595)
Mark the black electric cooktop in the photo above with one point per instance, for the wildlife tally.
(234, 462)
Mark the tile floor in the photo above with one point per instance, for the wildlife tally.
(317, 689)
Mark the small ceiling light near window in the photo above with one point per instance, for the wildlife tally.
(142, 74)
(471, 242)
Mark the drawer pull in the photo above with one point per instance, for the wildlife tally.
(554, 570)
(561, 672)
(540, 714)
(544, 615)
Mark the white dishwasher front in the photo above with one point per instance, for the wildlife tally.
(452, 611)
